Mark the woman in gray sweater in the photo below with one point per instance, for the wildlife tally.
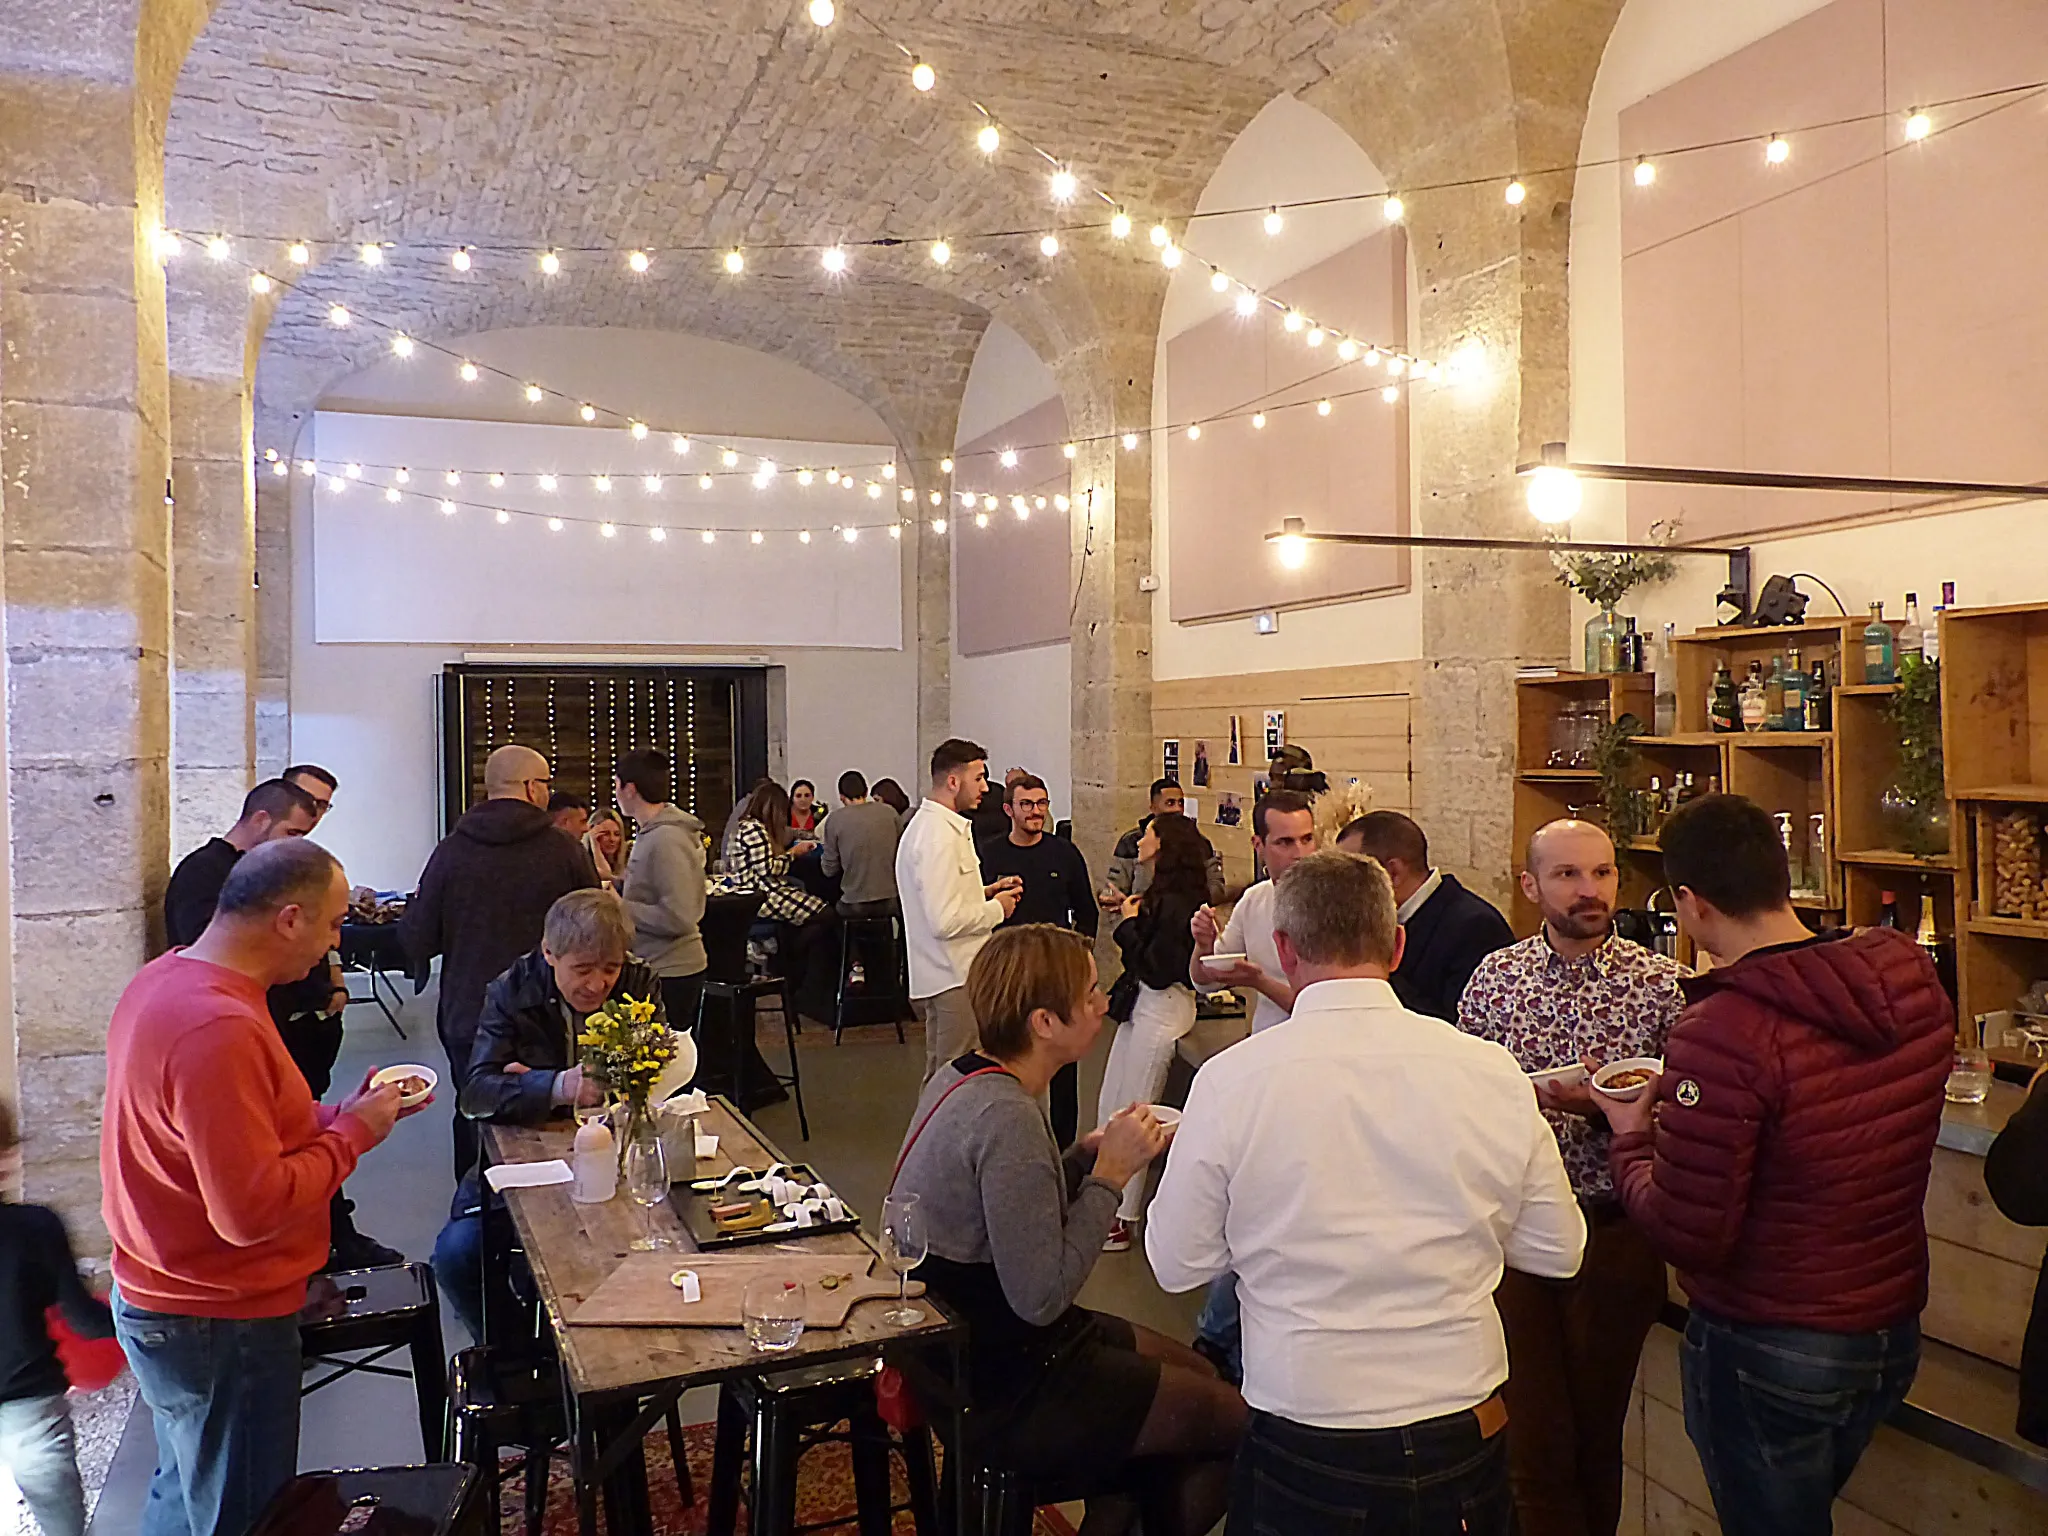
(1059, 1391)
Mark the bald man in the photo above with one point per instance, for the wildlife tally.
(483, 898)
(1575, 992)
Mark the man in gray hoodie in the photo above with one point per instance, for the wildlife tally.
(663, 891)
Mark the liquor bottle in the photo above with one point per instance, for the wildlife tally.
(1631, 648)
(1820, 698)
(1774, 695)
(1657, 812)
(1911, 641)
(1724, 711)
(1930, 645)
(1754, 710)
(1795, 693)
(1888, 909)
(1666, 666)
(1880, 661)
(1936, 948)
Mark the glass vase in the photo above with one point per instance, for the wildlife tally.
(1603, 641)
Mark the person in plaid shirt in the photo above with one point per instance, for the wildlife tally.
(1575, 992)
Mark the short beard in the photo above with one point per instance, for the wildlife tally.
(1581, 925)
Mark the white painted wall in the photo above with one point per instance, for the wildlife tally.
(1655, 43)
(1018, 704)
(367, 711)
(1288, 152)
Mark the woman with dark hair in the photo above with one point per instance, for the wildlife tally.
(1100, 1404)
(804, 810)
(890, 793)
(757, 859)
(1158, 947)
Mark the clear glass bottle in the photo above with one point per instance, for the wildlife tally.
(1880, 660)
(1794, 717)
(1755, 708)
(1666, 668)
(1912, 639)
(1774, 695)
(1603, 641)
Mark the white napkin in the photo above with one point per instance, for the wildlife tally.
(503, 1176)
(707, 1147)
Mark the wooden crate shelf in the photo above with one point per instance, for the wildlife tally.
(2007, 927)
(1898, 858)
(1560, 775)
(1759, 740)
(2016, 794)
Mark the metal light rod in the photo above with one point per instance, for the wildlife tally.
(1295, 528)
(1655, 474)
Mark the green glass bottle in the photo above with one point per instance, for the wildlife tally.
(1880, 661)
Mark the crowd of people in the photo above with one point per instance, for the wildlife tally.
(1428, 1280)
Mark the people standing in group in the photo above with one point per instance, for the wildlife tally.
(991, 819)
(806, 819)
(217, 1168)
(859, 846)
(609, 847)
(1127, 873)
(1450, 929)
(664, 889)
(1014, 1231)
(759, 856)
(1781, 1164)
(948, 909)
(39, 1274)
(570, 813)
(482, 899)
(1056, 890)
(1156, 1003)
(1366, 1172)
(1575, 992)
(891, 794)
(1283, 834)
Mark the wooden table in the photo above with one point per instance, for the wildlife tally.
(618, 1383)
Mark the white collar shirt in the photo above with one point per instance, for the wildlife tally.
(1366, 1172)
(1250, 933)
(946, 916)
(1421, 893)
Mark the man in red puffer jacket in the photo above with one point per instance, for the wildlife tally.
(1781, 1164)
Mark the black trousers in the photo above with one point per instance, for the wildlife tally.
(1066, 1104)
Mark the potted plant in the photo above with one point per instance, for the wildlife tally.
(1917, 800)
(1603, 581)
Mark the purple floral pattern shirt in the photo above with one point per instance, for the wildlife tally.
(1619, 1001)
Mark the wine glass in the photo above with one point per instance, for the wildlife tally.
(647, 1185)
(904, 1246)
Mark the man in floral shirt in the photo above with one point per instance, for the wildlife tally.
(1575, 993)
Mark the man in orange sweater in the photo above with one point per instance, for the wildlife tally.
(216, 1168)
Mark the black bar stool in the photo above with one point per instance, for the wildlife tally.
(441, 1499)
(737, 1000)
(781, 1416)
(877, 942)
(375, 1313)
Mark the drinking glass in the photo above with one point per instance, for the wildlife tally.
(1969, 1077)
(904, 1246)
(646, 1183)
(773, 1310)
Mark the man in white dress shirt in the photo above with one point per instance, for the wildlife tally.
(1367, 1172)
(948, 913)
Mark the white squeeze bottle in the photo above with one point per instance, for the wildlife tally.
(595, 1163)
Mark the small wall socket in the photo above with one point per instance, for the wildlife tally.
(1148, 583)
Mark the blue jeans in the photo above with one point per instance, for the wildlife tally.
(1780, 1416)
(1221, 1326)
(223, 1394)
(39, 1446)
(1440, 1477)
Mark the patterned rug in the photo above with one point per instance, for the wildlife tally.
(824, 1491)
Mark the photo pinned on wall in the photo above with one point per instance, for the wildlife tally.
(1191, 808)
(1229, 810)
(1276, 732)
(1201, 765)
(1169, 760)
(1259, 787)
(1236, 741)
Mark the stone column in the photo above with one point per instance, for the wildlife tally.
(213, 555)
(84, 462)
(273, 621)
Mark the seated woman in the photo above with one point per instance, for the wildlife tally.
(523, 1071)
(1090, 1400)
(757, 859)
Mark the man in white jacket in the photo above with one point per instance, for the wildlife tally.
(948, 913)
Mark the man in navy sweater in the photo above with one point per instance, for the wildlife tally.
(1450, 929)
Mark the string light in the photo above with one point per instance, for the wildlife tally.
(874, 491)
(1645, 172)
(1347, 350)
(298, 253)
(703, 482)
(939, 526)
(834, 259)
(547, 482)
(259, 282)
(306, 467)
(803, 536)
(217, 248)
(1219, 281)
(461, 260)
(336, 484)
(896, 531)
(822, 12)
(639, 431)
(1777, 151)
(981, 519)
(754, 537)
(1069, 450)
(1394, 365)
(638, 261)
(804, 477)
(452, 477)
(1158, 235)
(550, 263)
(403, 476)
(889, 470)
(469, 372)
(1517, 194)
(729, 458)
(503, 516)
(280, 468)
(1119, 228)
(989, 139)
(680, 444)
(1247, 302)
(337, 315)
(1194, 431)
(941, 253)
(1008, 458)
(1061, 502)
(945, 466)
(401, 344)
(651, 484)
(554, 525)
(1063, 184)
(658, 534)
(938, 498)
(392, 493)
(709, 537)
(1169, 256)
(988, 503)
(1048, 245)
(1273, 222)
(1322, 407)
(922, 75)
(447, 508)
(603, 484)
(534, 394)
(1293, 321)
(609, 530)
(497, 481)
(371, 254)
(735, 262)
(1391, 394)
(1259, 422)
(353, 471)
(587, 411)
(1918, 125)
(1394, 209)
(1130, 442)
(1017, 506)
(850, 534)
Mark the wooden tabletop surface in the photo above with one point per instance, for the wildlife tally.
(571, 1248)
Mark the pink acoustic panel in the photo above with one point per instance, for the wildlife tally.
(1010, 579)
(1344, 472)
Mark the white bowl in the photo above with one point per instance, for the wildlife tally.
(1566, 1076)
(1167, 1116)
(1615, 1068)
(405, 1070)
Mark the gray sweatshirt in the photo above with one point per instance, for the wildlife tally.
(993, 1189)
(860, 844)
(663, 892)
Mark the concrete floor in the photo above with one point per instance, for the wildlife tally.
(859, 1094)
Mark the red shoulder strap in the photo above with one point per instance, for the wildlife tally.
(902, 1156)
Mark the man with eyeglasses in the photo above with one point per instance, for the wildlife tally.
(1056, 891)
(483, 899)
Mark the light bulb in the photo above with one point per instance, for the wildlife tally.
(851, 535)
(497, 480)
(1219, 281)
(679, 443)
(703, 482)
(941, 253)
(651, 484)
(938, 498)
(336, 484)
(822, 12)
(609, 530)
(988, 503)
(889, 470)
(1347, 350)
(391, 493)
(401, 344)
(754, 537)
(1292, 549)
(1018, 506)
(945, 466)
(1247, 302)
(547, 482)
(1119, 225)
(259, 282)
(452, 477)
(1048, 245)
(729, 458)
(981, 519)
(403, 476)
(709, 536)
(217, 248)
(447, 508)
(1646, 171)
(1159, 236)
(832, 476)
(1395, 364)
(1517, 194)
(1391, 394)
(874, 491)
(638, 261)
(1777, 151)
(1273, 222)
(299, 253)
(1038, 502)
(1069, 450)
(1293, 322)
(1372, 357)
(554, 525)
(166, 244)
(533, 394)
(1315, 336)
(765, 469)
(1322, 407)
(372, 254)
(504, 516)
(1008, 458)
(907, 494)
(923, 76)
(735, 262)
(896, 531)
(803, 536)
(658, 535)
(1258, 421)
(337, 314)
(550, 263)
(354, 471)
(989, 139)
(270, 455)
(603, 483)
(1194, 432)
(1063, 185)
(280, 468)
(306, 467)
(1553, 493)
(469, 372)
(1169, 256)
(639, 431)
(1394, 209)
(587, 411)
(1061, 502)
(1919, 125)
(804, 477)
(834, 259)
(461, 260)
(938, 525)
(1130, 442)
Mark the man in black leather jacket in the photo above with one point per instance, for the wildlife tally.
(523, 1071)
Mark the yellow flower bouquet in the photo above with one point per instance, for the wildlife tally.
(627, 1046)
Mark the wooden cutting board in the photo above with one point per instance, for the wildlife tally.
(639, 1293)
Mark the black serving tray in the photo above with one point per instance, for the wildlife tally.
(693, 1209)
